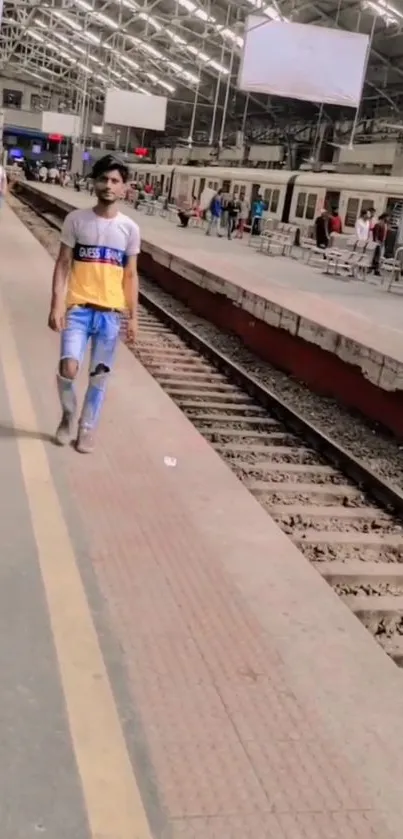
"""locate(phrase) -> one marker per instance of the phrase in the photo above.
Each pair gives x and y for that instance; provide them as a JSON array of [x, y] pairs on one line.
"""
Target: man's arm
[[131, 285], [131, 281], [131, 293], [59, 283], [61, 274]]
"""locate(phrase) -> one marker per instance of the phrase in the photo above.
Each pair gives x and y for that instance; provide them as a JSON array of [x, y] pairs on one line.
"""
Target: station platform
[[343, 338], [171, 667]]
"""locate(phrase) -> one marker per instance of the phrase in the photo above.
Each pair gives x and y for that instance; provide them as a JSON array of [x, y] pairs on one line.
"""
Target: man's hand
[[56, 318], [131, 330]]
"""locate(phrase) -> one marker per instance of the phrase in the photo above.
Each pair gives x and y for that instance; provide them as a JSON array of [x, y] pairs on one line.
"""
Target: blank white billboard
[[135, 110], [301, 61], [68, 125]]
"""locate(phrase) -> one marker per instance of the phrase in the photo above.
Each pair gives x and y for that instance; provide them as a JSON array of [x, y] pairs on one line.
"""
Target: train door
[[289, 192], [394, 239], [255, 192], [332, 199]]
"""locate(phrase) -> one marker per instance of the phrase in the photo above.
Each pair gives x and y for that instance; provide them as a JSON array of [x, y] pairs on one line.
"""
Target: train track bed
[[345, 518]]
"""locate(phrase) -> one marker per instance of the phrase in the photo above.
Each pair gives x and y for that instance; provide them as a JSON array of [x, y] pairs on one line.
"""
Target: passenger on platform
[[258, 209], [233, 210], [322, 229], [379, 234], [77, 182], [216, 207], [3, 185], [94, 282], [53, 173], [335, 222], [243, 216], [362, 228], [187, 212], [43, 174]]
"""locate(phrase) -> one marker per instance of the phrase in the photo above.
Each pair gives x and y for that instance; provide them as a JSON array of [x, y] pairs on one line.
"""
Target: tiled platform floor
[[171, 666]]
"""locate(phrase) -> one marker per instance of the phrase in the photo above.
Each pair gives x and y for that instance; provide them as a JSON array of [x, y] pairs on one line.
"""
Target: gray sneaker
[[64, 431], [85, 443]]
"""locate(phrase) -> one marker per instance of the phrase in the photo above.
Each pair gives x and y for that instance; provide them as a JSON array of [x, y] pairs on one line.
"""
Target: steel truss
[[188, 50]]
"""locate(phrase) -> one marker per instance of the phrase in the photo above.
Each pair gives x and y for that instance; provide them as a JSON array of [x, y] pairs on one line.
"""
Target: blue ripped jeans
[[85, 325]]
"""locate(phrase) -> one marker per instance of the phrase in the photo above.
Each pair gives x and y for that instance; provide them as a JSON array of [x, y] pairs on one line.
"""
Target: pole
[[218, 85], [224, 113], [245, 113], [364, 73], [193, 119]]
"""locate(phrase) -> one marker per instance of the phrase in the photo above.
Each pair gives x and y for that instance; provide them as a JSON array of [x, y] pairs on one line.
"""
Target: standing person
[[379, 234], [3, 185], [233, 210], [362, 228], [243, 216], [97, 265], [216, 206], [322, 229], [258, 209], [335, 222], [53, 173]]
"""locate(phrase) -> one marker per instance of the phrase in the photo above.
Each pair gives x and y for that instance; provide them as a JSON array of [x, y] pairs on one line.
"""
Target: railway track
[[344, 518]]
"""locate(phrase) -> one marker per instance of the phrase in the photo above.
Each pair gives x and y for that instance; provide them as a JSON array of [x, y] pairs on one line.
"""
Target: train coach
[[291, 197]]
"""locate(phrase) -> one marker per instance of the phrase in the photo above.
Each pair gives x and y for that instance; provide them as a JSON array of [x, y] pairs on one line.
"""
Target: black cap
[[106, 164]]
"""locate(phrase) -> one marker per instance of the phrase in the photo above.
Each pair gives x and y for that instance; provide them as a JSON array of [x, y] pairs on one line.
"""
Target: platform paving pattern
[[172, 667]]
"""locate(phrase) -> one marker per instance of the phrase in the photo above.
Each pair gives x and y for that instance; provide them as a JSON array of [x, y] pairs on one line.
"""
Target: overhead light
[[129, 61], [175, 38], [166, 86], [35, 36], [151, 50], [219, 67], [151, 20], [84, 68], [106, 20], [67, 20], [91, 38]]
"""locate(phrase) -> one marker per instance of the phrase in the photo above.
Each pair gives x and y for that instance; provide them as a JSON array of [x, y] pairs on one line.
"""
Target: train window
[[274, 200], [299, 211], [210, 184], [226, 186], [366, 204], [12, 98], [311, 206], [352, 212], [236, 189], [215, 185], [394, 210], [267, 196]]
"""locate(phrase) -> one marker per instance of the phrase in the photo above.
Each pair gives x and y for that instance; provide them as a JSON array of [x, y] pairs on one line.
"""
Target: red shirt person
[[335, 222], [379, 234]]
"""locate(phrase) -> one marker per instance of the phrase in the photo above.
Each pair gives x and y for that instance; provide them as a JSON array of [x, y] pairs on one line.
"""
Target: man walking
[[95, 280]]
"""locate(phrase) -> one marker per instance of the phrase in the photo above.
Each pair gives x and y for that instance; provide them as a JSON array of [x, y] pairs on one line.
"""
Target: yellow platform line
[[111, 794]]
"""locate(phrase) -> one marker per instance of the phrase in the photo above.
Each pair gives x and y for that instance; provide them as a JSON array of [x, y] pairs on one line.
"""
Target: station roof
[[188, 50]]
